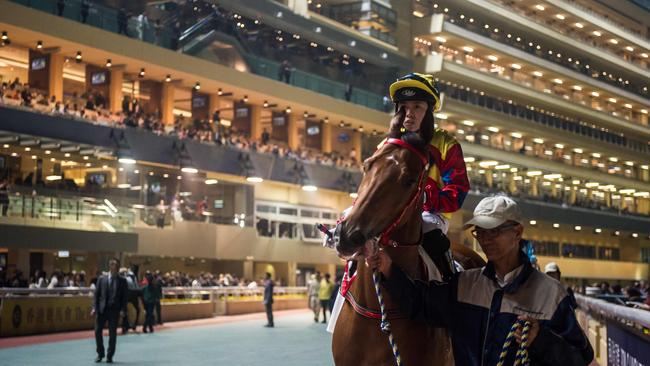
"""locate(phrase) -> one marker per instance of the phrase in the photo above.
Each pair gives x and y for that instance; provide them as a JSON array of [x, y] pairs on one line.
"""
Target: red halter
[[384, 238]]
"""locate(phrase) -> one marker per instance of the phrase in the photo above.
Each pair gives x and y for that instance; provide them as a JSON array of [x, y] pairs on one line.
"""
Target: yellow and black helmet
[[415, 86]]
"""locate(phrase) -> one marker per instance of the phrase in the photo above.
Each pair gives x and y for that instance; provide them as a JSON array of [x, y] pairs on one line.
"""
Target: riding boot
[[438, 247]]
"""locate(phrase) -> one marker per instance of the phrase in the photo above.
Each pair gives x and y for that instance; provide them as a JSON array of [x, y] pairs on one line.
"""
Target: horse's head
[[389, 193]]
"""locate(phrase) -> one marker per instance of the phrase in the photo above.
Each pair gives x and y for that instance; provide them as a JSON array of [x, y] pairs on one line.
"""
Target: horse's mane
[[411, 138]]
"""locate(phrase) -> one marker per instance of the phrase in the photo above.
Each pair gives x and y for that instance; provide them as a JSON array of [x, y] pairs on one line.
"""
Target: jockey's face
[[414, 111]]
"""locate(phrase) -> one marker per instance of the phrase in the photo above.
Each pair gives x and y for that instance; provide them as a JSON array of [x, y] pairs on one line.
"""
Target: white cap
[[551, 267], [494, 211]]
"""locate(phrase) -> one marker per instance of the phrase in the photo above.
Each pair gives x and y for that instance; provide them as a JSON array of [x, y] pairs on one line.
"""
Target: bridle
[[383, 239]]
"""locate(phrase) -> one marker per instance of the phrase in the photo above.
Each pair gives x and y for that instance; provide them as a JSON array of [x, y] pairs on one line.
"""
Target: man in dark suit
[[108, 305], [268, 299]]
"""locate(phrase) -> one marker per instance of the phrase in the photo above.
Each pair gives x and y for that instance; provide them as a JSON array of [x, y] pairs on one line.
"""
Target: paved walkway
[[229, 341]]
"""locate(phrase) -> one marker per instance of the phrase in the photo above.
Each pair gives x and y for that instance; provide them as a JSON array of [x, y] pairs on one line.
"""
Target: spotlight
[[78, 57], [219, 92], [245, 99], [288, 110], [141, 74], [168, 78], [109, 63], [39, 44], [4, 36], [197, 86], [266, 104]]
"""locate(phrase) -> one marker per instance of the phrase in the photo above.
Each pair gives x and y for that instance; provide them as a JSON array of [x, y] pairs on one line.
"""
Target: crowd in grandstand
[[92, 107], [79, 279]]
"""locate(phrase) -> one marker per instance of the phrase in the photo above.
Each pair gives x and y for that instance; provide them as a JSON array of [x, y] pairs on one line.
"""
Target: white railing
[[636, 317]]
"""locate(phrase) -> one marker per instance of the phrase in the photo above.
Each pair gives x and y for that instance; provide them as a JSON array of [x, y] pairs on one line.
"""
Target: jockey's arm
[[430, 302], [455, 184]]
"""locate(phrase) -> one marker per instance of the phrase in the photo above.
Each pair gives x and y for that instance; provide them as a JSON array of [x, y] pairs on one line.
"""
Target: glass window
[[288, 211]]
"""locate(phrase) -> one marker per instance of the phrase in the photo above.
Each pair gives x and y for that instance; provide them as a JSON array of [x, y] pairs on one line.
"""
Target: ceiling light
[[109, 63], [538, 140], [644, 55], [558, 81], [577, 228], [493, 129], [635, 235], [488, 163], [532, 222], [559, 146], [598, 230], [613, 159], [441, 116], [189, 170], [255, 179], [142, 73], [441, 39], [630, 48], [197, 86], [595, 94], [556, 226], [493, 58], [613, 41], [540, 7], [354, 195], [502, 167], [552, 176], [39, 44], [597, 33], [617, 233], [577, 87], [53, 177], [468, 123], [515, 66], [309, 188], [468, 49], [128, 161], [579, 25], [534, 173], [470, 159], [596, 155], [168, 78], [627, 105], [211, 181], [516, 135], [560, 16], [539, 74], [78, 57], [612, 100], [287, 110]]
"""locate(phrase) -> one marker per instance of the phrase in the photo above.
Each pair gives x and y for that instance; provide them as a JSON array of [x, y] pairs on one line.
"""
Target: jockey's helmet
[[415, 86]]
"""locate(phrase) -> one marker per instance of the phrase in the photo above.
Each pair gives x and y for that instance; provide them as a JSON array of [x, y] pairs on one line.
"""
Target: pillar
[[291, 273], [18, 259], [167, 103], [55, 76], [115, 89], [249, 273], [292, 124], [534, 190], [356, 143], [512, 184], [488, 178], [326, 138], [256, 122]]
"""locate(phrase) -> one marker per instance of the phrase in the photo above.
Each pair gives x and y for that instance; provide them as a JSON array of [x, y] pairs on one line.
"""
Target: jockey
[[416, 100]]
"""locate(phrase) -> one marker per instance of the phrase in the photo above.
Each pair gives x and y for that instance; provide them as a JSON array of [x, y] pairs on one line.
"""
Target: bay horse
[[388, 209]]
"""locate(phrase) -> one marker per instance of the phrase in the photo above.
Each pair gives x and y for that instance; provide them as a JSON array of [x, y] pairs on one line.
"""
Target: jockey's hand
[[532, 332], [380, 261]]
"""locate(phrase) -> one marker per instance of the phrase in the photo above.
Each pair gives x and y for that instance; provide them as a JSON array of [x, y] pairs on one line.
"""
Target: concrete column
[[249, 273], [55, 76], [292, 124], [18, 259], [326, 138], [356, 143], [512, 184], [534, 190], [115, 89], [167, 103], [256, 122], [488, 178], [291, 273]]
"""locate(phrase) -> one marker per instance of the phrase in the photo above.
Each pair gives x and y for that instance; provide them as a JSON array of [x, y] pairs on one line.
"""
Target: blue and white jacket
[[479, 314]]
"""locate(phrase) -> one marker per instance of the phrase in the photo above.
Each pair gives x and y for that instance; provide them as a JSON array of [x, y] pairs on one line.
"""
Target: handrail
[[170, 291], [612, 311]]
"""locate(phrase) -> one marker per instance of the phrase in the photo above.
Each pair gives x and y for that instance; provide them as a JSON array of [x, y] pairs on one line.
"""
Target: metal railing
[[627, 315], [169, 293]]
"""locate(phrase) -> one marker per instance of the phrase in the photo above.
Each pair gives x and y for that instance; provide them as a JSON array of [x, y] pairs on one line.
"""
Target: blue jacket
[[479, 314]]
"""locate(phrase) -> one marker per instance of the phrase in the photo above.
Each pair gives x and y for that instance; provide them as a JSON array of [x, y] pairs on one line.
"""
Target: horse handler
[[491, 311]]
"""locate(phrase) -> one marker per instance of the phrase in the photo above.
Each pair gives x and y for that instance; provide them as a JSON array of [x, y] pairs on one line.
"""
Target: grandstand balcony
[[507, 26]]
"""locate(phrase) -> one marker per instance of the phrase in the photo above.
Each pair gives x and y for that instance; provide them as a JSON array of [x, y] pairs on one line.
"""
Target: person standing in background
[[313, 287], [268, 299], [324, 294], [109, 304]]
